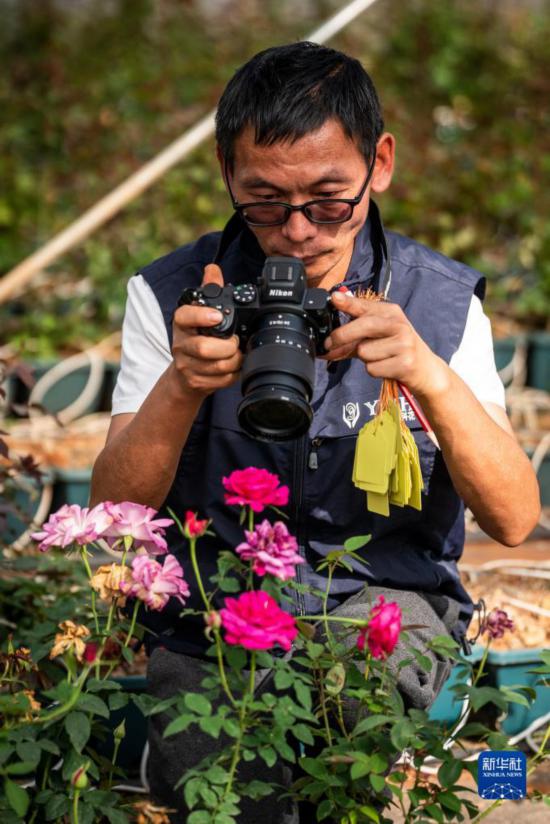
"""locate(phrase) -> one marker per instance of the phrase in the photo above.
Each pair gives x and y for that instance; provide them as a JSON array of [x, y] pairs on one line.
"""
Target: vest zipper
[[313, 462], [298, 488]]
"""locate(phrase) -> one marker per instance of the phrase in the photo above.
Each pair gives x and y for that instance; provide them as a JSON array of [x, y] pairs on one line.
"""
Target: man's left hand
[[380, 335]]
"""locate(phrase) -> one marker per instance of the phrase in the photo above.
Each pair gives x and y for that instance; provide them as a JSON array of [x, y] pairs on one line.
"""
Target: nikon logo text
[[280, 293]]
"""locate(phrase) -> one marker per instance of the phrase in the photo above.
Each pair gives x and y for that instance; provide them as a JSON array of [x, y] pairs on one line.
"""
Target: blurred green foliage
[[93, 89]]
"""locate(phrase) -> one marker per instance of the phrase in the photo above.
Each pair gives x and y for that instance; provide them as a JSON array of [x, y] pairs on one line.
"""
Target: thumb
[[212, 274]]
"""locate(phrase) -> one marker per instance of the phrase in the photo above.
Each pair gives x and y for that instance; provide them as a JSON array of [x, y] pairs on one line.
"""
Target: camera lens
[[277, 379]]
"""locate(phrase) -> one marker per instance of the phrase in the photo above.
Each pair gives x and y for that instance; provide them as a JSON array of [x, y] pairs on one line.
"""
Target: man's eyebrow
[[256, 182]]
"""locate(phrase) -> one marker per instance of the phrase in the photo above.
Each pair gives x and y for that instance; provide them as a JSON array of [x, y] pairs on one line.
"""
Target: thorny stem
[[324, 711], [242, 726], [84, 556], [193, 552], [223, 676], [75, 806], [113, 762], [133, 624], [58, 712]]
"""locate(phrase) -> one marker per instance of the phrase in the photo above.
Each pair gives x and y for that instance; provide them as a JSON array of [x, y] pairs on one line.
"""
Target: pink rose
[[155, 583], [193, 527], [138, 522], [272, 550], [256, 488], [497, 623], [255, 621], [382, 631], [72, 524]]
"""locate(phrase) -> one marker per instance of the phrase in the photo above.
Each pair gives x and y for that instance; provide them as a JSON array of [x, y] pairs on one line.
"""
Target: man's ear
[[385, 159]]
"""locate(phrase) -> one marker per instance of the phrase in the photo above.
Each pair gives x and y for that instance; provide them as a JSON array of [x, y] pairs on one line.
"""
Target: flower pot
[[511, 668], [133, 743], [504, 349], [538, 364], [72, 486], [446, 708]]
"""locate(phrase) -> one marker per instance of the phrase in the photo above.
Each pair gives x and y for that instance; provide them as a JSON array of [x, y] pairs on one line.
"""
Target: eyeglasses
[[275, 213]]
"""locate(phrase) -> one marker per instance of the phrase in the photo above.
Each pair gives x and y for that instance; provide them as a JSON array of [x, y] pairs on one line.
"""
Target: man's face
[[324, 163]]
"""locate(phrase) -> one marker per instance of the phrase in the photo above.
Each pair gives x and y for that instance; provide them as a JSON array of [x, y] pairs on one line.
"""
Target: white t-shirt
[[146, 352]]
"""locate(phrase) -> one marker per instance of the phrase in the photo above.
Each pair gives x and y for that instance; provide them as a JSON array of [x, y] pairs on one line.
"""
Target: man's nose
[[298, 228]]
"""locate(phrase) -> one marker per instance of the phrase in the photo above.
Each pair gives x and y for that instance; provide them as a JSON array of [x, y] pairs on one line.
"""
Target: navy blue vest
[[410, 550]]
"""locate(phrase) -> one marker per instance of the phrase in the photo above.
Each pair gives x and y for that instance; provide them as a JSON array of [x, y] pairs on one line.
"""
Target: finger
[[212, 274], [194, 317], [206, 348], [363, 327], [211, 368], [371, 351], [340, 352], [355, 307]]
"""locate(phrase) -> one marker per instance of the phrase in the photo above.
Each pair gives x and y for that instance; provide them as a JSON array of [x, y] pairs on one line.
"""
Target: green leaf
[[370, 812], [18, 798], [235, 657], [56, 807], [268, 755], [371, 723], [93, 704], [351, 544], [200, 817], [49, 746], [284, 679], [378, 763], [208, 795], [257, 789], [324, 809], [198, 703], [211, 725], [360, 769], [450, 800], [191, 791], [314, 768], [449, 773], [302, 733], [217, 775], [118, 700], [96, 685], [303, 694], [78, 729], [480, 696], [435, 812], [115, 816], [378, 782], [231, 727], [20, 768], [28, 751], [179, 724], [401, 733]]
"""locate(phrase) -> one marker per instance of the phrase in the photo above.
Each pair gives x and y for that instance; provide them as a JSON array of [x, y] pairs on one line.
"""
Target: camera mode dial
[[244, 293]]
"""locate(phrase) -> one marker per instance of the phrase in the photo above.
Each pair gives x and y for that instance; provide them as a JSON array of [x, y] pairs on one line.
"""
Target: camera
[[281, 325]]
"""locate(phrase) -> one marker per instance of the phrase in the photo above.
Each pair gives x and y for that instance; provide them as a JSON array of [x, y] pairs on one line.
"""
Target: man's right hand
[[202, 363]]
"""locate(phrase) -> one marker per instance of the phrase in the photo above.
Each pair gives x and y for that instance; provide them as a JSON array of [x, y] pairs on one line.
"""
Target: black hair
[[285, 92]]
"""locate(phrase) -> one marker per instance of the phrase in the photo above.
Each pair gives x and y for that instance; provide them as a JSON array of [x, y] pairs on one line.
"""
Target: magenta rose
[[497, 623], [272, 550], [256, 488], [381, 633], [155, 583], [254, 620]]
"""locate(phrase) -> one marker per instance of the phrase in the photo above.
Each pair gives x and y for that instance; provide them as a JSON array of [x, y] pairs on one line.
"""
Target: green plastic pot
[[538, 363], [132, 745], [504, 349], [71, 486], [511, 668]]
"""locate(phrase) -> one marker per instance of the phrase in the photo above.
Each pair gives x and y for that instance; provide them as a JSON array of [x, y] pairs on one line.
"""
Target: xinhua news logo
[[502, 774]]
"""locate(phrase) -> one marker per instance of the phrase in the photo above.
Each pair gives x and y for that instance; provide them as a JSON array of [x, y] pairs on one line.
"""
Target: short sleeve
[[145, 348], [474, 360]]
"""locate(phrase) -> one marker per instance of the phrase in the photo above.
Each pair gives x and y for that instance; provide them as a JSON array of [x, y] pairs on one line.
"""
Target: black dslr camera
[[282, 326]]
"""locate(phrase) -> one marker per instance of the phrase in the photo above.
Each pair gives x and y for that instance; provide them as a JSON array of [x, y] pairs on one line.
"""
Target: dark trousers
[[169, 673]]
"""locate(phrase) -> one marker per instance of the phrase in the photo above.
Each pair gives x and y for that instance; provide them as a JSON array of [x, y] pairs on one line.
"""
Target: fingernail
[[328, 344], [215, 315], [337, 296]]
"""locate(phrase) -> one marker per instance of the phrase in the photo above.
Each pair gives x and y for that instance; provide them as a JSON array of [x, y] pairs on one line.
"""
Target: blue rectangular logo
[[502, 774]]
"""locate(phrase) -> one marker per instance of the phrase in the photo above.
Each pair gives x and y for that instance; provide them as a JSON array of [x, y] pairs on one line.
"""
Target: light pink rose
[[155, 583], [382, 631], [72, 524], [254, 620], [137, 521], [272, 550], [256, 488]]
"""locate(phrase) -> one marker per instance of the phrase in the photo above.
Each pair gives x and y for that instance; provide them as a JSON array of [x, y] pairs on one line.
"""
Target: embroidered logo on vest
[[350, 414]]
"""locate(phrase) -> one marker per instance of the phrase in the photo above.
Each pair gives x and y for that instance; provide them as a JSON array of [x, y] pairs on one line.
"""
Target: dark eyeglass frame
[[352, 202]]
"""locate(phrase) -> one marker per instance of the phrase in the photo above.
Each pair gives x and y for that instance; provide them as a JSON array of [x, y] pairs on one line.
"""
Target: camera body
[[281, 291], [282, 326]]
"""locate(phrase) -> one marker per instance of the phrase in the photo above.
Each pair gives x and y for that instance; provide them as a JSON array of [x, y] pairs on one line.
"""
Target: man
[[302, 149]]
